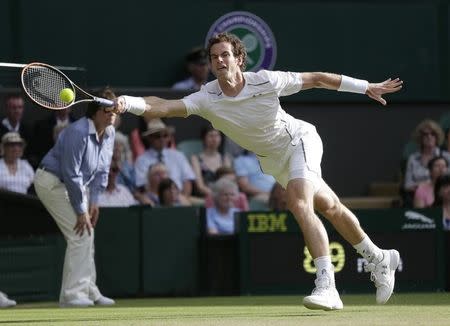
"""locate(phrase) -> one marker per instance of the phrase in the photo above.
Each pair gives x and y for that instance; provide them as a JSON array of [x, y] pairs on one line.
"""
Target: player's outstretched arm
[[344, 83], [151, 107]]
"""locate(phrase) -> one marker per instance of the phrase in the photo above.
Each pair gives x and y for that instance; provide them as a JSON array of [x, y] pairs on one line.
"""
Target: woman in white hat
[[15, 174]]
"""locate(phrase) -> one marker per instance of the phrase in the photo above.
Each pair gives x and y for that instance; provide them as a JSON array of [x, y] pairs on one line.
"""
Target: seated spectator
[[5, 302], [277, 198], [115, 194], [48, 130], [424, 195], [442, 198], [178, 166], [231, 148], [15, 174], [206, 163], [240, 200], [169, 195], [126, 175], [198, 69], [429, 136], [156, 173], [137, 144], [125, 148], [220, 217], [251, 179], [14, 122]]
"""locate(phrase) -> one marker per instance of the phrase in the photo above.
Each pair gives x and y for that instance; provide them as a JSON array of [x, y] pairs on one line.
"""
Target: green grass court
[[402, 309]]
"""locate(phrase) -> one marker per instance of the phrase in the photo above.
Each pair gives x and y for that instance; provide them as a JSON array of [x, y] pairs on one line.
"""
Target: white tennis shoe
[[324, 296], [383, 274]]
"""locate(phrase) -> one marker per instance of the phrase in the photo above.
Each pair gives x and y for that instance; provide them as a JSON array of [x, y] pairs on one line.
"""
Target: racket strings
[[44, 86]]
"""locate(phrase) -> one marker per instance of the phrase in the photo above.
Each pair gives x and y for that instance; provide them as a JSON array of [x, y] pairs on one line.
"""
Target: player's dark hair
[[238, 46], [93, 107]]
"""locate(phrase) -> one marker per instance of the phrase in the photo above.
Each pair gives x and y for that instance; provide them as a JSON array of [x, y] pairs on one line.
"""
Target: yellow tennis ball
[[66, 95]]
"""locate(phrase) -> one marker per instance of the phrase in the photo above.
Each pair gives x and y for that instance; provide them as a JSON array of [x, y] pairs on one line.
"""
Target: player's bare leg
[[300, 199], [381, 263]]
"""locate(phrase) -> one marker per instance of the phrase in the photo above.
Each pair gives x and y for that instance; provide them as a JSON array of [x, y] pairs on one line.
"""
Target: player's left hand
[[377, 90], [94, 213]]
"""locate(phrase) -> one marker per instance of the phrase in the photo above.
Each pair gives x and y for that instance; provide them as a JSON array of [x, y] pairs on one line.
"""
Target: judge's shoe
[[104, 301], [324, 296], [5, 302], [382, 273], [77, 303]]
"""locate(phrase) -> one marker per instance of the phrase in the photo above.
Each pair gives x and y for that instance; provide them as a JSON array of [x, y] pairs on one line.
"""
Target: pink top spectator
[[425, 193]]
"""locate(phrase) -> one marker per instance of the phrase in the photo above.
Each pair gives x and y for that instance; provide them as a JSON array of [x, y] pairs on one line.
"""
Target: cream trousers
[[79, 274]]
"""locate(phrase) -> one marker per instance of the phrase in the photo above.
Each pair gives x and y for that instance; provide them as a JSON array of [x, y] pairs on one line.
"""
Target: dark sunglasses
[[428, 133], [160, 135]]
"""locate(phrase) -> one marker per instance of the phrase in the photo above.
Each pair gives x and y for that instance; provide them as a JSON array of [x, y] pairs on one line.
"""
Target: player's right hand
[[119, 108], [83, 223]]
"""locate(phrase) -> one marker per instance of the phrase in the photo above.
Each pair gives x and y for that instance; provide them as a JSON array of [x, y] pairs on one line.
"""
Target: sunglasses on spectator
[[428, 133], [160, 135]]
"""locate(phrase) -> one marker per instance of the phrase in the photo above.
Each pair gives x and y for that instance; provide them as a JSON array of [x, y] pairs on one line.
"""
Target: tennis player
[[68, 182], [245, 106]]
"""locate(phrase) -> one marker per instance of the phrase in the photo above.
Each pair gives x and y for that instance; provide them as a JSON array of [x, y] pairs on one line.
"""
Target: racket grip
[[104, 101]]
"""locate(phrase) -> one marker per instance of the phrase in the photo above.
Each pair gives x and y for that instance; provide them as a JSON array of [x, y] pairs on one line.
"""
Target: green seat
[[409, 148], [444, 121], [190, 147], [257, 205]]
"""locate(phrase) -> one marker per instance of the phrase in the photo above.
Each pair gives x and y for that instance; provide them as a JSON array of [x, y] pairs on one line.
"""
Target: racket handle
[[103, 101]]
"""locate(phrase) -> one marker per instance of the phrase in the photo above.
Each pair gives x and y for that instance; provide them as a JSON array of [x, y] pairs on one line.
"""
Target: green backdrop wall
[[140, 43]]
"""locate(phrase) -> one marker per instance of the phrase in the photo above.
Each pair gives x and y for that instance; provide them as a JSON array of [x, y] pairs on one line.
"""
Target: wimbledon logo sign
[[254, 32]]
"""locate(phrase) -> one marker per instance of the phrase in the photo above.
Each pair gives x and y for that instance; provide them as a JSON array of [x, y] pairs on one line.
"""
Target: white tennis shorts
[[302, 161]]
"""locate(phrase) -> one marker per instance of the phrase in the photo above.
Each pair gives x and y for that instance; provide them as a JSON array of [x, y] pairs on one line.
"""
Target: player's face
[[223, 62]]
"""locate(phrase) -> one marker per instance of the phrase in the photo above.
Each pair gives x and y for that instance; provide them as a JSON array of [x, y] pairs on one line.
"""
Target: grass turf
[[402, 309]]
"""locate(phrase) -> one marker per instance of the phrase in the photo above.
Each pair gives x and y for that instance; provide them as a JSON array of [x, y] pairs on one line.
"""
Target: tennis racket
[[43, 84]]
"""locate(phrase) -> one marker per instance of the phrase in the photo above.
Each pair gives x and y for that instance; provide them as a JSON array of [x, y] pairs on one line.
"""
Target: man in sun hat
[[180, 171]]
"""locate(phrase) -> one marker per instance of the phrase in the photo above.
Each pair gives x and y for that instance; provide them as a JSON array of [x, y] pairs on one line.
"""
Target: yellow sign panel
[[267, 222], [337, 254]]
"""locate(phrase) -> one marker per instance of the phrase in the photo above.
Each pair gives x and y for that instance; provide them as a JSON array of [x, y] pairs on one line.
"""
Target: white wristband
[[353, 85], [134, 105]]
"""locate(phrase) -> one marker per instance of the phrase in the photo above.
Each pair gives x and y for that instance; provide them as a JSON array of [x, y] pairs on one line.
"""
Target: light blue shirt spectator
[[223, 224], [177, 165], [127, 176], [81, 161], [248, 166]]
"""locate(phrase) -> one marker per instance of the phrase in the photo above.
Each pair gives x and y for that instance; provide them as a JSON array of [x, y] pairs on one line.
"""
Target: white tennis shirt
[[254, 118]]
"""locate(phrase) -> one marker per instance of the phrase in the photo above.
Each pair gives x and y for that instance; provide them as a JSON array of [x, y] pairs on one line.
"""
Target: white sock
[[369, 250], [323, 265]]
